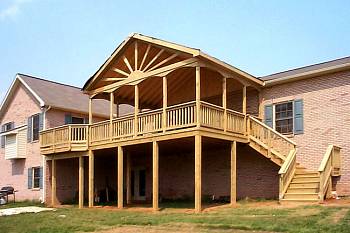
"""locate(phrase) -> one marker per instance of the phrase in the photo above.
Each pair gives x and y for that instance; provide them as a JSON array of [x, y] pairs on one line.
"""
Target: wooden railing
[[275, 142], [181, 115], [235, 122], [177, 117], [329, 164], [63, 138], [212, 115], [287, 172]]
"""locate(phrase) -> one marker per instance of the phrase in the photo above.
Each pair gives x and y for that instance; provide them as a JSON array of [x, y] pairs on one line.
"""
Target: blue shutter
[[29, 129], [30, 178], [298, 116], [68, 119], [41, 177], [269, 115], [41, 121], [2, 139]]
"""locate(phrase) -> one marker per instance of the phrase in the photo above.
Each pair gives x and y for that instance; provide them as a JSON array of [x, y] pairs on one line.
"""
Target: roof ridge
[[302, 67], [47, 80]]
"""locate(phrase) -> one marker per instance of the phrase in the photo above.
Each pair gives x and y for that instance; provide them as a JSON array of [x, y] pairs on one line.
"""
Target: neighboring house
[[31, 105]]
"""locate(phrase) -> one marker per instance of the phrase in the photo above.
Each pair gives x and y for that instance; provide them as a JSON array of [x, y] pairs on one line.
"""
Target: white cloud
[[12, 10]]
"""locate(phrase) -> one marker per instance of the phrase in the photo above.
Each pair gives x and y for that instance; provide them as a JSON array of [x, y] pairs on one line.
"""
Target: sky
[[68, 40]]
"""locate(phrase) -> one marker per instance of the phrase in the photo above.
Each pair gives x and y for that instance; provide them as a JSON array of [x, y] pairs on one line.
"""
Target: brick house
[[201, 129], [31, 105]]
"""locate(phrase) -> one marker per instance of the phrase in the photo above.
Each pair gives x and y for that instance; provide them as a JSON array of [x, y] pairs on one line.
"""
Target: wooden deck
[[176, 119]]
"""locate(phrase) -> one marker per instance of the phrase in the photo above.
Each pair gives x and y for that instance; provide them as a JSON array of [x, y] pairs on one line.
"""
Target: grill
[[6, 191]]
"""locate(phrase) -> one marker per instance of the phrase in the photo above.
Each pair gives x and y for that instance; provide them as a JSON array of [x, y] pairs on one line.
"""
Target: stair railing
[[330, 164], [287, 172]]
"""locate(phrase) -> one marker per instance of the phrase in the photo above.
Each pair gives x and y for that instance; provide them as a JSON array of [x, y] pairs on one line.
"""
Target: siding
[[11, 146]]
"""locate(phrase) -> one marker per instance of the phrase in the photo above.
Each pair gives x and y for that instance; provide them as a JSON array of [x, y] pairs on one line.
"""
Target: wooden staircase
[[304, 186], [296, 182]]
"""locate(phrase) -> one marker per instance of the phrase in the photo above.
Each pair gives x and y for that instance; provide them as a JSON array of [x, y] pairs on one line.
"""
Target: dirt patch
[[339, 215], [176, 228]]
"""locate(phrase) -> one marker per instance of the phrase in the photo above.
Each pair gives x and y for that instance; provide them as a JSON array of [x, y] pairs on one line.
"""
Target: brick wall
[[15, 172], [326, 119]]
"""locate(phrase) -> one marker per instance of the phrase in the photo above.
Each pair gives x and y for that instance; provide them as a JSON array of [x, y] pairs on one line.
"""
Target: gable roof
[[193, 52], [56, 95], [307, 71]]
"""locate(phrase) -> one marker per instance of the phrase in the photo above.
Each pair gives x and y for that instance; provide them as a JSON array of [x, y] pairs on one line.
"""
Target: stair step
[[303, 190], [305, 179], [306, 175], [299, 200], [304, 185], [301, 196]]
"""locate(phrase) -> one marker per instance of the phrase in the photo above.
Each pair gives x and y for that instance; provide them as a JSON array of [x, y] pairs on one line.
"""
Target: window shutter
[[269, 115], [298, 116], [29, 129], [68, 119], [41, 177], [30, 178], [41, 121], [2, 139]]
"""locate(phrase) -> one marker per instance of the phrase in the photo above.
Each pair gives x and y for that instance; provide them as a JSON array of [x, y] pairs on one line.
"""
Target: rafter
[[113, 79], [120, 72], [155, 57], [174, 66], [126, 61], [136, 55], [145, 56], [163, 62]]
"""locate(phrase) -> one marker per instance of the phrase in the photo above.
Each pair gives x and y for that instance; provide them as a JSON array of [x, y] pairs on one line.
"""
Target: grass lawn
[[259, 216]]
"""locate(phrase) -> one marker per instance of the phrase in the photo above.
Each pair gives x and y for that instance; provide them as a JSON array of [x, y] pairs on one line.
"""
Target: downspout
[[43, 192]]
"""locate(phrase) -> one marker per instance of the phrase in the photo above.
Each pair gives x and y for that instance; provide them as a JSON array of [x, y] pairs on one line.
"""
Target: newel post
[[244, 107], [111, 111], [136, 105], [165, 103], [224, 101]]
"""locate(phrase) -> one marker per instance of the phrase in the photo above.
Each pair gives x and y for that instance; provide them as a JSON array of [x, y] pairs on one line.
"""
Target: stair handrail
[[330, 161], [287, 172], [271, 129]]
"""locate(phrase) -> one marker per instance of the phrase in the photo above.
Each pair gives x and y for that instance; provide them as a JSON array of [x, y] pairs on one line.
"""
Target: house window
[[36, 127], [284, 118], [36, 177], [77, 120], [8, 126]]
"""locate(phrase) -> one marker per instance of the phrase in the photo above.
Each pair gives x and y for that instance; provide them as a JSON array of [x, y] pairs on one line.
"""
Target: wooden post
[[224, 101], [90, 110], [117, 109], [128, 179], [81, 182], [53, 180], [244, 107], [165, 102], [155, 175], [91, 177], [111, 111], [233, 173], [198, 95], [136, 110], [261, 108], [120, 177], [198, 173]]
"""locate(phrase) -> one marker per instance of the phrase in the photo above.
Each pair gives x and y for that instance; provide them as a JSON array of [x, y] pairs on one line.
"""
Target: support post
[[198, 173], [90, 110], [117, 109], [244, 107], [120, 177], [155, 176], [224, 101], [136, 105], [111, 111], [53, 180], [91, 178], [233, 173], [261, 108], [198, 95], [165, 103], [128, 179], [81, 182]]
